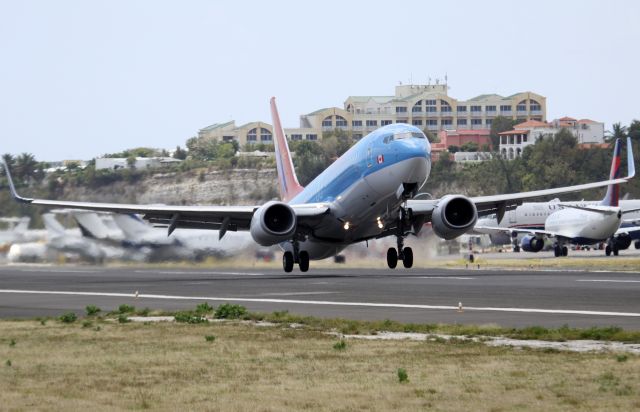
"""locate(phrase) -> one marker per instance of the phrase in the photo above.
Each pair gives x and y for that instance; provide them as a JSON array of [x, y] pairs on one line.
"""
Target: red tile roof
[[531, 123], [515, 132]]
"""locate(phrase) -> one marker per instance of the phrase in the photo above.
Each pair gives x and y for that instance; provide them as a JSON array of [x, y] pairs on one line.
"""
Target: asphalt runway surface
[[507, 298]]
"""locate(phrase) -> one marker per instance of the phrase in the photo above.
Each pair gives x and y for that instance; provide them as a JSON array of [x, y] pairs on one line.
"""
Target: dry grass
[[172, 366]]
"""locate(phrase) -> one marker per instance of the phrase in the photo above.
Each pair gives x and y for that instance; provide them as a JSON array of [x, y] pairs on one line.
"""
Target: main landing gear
[[288, 259], [405, 254], [560, 250], [612, 247]]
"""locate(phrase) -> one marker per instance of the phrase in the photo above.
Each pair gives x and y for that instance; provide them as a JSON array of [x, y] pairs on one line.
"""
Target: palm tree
[[618, 131], [25, 166], [9, 160]]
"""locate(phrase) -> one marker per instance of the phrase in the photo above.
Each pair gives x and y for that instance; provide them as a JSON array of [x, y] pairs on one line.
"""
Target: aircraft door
[[369, 156]]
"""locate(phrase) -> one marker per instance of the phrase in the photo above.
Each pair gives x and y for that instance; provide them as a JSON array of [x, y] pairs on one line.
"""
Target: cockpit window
[[402, 135], [419, 135], [388, 138]]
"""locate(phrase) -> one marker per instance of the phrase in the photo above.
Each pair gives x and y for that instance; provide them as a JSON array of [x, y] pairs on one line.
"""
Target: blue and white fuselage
[[365, 188]]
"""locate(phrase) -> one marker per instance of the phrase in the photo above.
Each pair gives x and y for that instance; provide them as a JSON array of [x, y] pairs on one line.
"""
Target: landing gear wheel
[[615, 250], [565, 251], [303, 260], [607, 250], [637, 244], [516, 248], [392, 258], [287, 261], [557, 252], [407, 259]]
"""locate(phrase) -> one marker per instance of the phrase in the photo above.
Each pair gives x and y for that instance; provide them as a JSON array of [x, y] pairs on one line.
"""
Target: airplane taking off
[[581, 224], [368, 193]]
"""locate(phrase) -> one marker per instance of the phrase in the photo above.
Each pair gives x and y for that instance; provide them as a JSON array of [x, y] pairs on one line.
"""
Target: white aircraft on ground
[[581, 223], [368, 193]]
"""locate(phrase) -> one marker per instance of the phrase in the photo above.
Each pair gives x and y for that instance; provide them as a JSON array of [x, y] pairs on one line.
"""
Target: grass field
[[106, 365]]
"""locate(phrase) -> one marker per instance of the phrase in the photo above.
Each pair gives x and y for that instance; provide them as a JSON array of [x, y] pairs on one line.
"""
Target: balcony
[[506, 113], [477, 114], [521, 113], [432, 127], [536, 112], [492, 113], [417, 112]]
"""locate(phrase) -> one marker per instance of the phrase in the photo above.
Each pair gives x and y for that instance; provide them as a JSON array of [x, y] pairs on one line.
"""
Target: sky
[[82, 78]]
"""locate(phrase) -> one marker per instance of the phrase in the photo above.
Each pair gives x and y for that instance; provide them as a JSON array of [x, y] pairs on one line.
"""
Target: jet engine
[[453, 216], [531, 243], [272, 223]]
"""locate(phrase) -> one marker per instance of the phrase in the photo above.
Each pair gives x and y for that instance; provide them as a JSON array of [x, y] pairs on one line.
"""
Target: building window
[[505, 108], [490, 108], [341, 121], [228, 138], [371, 123], [416, 122], [296, 137], [432, 122], [385, 122], [461, 109], [401, 109], [357, 136], [447, 122], [265, 135], [488, 122], [356, 123], [432, 109], [430, 102], [524, 138], [327, 122], [312, 137], [416, 109], [476, 108], [445, 107], [462, 122], [522, 106], [252, 135], [476, 121]]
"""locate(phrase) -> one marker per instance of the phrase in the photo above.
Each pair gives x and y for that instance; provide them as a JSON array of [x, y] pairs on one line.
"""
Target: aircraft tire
[[556, 251], [615, 250], [303, 260], [607, 250], [565, 251], [392, 258], [637, 244], [287, 261], [407, 260]]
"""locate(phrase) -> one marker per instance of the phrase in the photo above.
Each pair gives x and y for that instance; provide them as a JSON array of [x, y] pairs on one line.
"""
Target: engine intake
[[454, 216], [272, 223], [531, 243]]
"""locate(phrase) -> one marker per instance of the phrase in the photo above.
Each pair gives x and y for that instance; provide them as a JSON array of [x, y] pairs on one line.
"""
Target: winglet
[[12, 188], [287, 179], [631, 166]]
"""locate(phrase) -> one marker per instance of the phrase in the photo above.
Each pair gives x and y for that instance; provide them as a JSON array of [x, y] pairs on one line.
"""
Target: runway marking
[[323, 302], [608, 280], [438, 277], [185, 272], [298, 293]]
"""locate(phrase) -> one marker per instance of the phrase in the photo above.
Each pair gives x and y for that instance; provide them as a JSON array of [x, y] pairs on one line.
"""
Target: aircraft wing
[[492, 230], [627, 230], [223, 218]]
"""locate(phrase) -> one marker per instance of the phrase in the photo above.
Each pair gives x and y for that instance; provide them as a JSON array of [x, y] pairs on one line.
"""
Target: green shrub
[[622, 358], [209, 338], [204, 308], [8, 363], [229, 311], [87, 324], [92, 310], [68, 317], [144, 312], [12, 343], [189, 317], [123, 318], [43, 322], [124, 308], [340, 345], [402, 375]]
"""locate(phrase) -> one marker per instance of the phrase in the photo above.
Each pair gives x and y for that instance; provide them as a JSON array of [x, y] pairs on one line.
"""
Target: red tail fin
[[287, 179], [613, 191]]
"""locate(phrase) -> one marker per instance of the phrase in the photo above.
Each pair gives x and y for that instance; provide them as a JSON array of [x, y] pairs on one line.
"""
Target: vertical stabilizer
[[613, 191], [287, 179]]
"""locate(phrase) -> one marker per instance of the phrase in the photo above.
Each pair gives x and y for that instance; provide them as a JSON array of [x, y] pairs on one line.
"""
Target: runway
[[506, 298]]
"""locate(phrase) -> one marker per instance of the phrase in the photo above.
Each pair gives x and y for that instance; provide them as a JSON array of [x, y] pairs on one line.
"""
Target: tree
[[131, 162], [633, 131], [617, 132], [500, 124], [180, 153], [25, 165], [453, 149], [469, 147], [9, 160]]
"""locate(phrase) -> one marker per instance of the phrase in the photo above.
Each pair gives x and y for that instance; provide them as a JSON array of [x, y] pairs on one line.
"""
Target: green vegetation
[[92, 310], [189, 317], [209, 338], [124, 308], [230, 311], [68, 317], [340, 345], [402, 375]]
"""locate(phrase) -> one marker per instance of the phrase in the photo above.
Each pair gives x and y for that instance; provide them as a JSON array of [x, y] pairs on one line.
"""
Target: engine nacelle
[[531, 243], [454, 216], [272, 223], [623, 241]]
